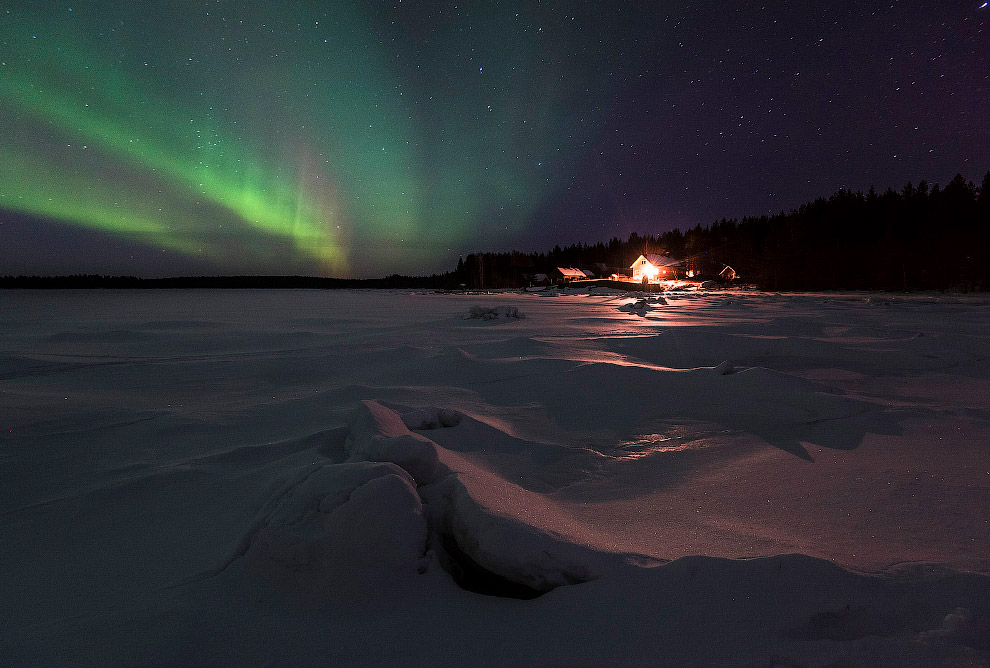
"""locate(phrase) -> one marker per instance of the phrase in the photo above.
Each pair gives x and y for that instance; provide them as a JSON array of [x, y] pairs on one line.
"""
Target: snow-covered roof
[[657, 260], [570, 272]]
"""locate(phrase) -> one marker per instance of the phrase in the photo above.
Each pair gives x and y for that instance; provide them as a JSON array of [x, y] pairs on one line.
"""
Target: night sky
[[351, 138]]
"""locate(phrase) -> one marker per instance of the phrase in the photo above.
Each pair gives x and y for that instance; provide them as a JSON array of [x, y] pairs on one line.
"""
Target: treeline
[[91, 281], [921, 238]]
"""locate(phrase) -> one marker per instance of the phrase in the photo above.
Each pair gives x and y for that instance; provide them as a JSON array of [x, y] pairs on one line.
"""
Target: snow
[[494, 312], [725, 477], [378, 434]]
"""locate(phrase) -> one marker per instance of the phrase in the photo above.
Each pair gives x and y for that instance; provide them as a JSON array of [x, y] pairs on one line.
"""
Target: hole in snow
[[473, 577]]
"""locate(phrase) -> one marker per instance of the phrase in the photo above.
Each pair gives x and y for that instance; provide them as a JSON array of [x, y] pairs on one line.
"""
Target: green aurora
[[359, 139]]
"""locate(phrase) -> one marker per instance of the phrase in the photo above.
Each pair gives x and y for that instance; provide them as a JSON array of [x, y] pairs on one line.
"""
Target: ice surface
[[712, 478]]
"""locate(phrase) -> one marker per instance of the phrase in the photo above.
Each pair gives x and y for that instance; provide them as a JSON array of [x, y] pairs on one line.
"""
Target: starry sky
[[359, 138]]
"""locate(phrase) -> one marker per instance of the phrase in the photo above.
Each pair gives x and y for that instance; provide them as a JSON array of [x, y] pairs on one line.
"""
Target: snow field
[[367, 478]]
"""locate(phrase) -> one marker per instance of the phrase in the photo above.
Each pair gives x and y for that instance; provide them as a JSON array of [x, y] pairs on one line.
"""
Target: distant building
[[536, 279], [728, 274], [655, 267], [568, 274]]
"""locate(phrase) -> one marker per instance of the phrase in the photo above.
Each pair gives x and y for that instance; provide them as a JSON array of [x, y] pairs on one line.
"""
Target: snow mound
[[642, 302], [340, 523], [494, 313], [639, 307], [963, 627], [379, 434], [724, 369], [425, 419]]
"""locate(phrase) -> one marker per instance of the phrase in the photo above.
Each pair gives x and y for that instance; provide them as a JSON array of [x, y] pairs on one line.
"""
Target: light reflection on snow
[[648, 444], [676, 438]]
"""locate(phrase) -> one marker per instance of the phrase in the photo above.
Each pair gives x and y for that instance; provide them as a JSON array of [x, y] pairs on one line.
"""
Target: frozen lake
[[320, 477]]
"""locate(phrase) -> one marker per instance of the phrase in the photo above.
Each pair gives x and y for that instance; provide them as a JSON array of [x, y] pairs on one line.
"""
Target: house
[[654, 267], [728, 274], [568, 274], [536, 279]]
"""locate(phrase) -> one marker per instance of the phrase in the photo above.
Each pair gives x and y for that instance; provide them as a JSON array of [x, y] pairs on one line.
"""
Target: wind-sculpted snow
[[379, 434], [499, 526], [717, 478]]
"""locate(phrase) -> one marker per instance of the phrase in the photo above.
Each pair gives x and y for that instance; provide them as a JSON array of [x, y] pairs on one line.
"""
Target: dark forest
[[921, 238]]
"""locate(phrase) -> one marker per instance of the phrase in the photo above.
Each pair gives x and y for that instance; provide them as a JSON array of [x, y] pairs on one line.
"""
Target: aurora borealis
[[361, 138]]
